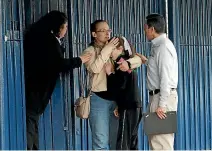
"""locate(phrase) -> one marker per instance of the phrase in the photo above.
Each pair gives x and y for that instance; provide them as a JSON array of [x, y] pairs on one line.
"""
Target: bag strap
[[87, 82], [89, 78]]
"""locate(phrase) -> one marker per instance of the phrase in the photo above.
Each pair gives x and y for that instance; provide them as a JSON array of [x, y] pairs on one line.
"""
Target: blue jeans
[[103, 123]]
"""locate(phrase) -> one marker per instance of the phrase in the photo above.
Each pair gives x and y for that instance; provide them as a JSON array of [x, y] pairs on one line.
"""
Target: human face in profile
[[63, 30]]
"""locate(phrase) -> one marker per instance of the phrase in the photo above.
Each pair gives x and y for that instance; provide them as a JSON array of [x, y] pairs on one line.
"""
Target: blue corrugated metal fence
[[125, 18], [189, 23], [192, 33], [12, 94]]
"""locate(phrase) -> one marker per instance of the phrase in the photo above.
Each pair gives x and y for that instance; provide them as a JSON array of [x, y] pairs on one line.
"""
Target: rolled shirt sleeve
[[135, 62]]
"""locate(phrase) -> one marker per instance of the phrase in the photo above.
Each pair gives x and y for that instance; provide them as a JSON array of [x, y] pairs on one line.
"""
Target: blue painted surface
[[189, 28], [12, 93], [125, 18]]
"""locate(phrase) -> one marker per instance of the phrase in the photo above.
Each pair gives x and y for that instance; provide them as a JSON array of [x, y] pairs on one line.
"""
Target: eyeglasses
[[104, 31]]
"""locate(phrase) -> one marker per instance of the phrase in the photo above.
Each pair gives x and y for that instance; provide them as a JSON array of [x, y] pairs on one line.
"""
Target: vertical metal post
[[166, 17]]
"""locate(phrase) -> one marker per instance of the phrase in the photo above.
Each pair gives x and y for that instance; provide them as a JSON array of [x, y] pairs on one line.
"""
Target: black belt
[[156, 91]]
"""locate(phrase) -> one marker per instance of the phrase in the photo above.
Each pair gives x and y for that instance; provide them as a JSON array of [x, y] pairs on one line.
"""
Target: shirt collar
[[58, 40], [157, 39], [98, 46]]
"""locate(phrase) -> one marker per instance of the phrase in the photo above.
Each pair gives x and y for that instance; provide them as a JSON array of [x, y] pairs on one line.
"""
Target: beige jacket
[[96, 65]]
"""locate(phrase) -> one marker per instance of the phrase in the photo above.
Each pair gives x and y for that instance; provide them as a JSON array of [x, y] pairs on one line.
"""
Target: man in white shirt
[[162, 77]]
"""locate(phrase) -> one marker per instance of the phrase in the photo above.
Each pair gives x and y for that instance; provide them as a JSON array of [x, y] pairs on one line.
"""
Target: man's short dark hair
[[157, 21]]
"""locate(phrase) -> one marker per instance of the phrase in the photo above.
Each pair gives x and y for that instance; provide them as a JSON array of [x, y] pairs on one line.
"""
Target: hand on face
[[114, 42], [116, 53]]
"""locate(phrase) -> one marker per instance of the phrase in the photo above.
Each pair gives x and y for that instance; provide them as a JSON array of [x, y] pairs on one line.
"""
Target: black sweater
[[43, 61], [122, 87]]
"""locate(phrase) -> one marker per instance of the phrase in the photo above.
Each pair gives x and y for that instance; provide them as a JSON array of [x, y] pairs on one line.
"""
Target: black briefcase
[[153, 125]]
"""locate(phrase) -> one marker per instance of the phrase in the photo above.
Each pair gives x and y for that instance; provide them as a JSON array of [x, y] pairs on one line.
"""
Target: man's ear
[[93, 34], [152, 29], [146, 26]]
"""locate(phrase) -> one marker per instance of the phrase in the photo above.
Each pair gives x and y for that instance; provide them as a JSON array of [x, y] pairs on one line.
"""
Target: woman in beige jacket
[[102, 106]]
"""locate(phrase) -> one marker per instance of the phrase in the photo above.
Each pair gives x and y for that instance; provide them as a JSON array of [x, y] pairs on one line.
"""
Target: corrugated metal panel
[[125, 17], [59, 129], [12, 92], [192, 32], [189, 27]]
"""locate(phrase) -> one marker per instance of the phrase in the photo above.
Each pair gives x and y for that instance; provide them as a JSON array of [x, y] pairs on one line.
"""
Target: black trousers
[[32, 131], [129, 120]]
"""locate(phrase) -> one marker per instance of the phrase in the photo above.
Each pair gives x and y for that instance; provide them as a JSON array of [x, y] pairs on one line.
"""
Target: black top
[[122, 87], [43, 61]]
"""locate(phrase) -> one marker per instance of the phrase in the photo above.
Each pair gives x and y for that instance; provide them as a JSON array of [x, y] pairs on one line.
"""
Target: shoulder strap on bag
[[85, 80]]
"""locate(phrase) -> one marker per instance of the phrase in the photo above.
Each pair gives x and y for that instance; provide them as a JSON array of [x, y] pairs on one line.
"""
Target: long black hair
[[49, 23]]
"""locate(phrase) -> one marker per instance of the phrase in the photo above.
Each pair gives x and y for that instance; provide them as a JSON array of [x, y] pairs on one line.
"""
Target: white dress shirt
[[162, 68]]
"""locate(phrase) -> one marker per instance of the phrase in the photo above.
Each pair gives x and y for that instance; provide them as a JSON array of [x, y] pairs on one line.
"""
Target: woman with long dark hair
[[43, 61]]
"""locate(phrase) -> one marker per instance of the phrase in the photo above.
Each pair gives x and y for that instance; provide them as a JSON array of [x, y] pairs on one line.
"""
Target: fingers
[[119, 65], [116, 113], [107, 64], [143, 58], [161, 114], [123, 66], [114, 41], [138, 54], [85, 57], [123, 69]]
